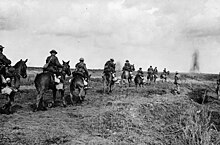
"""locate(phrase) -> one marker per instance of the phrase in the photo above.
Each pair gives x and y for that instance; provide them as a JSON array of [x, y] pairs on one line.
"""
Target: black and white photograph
[[109, 72]]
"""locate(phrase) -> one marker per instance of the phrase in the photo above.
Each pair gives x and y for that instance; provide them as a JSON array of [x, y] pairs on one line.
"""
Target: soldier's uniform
[[127, 66], [81, 67], [5, 89], [140, 73], [150, 71], [54, 63], [109, 66], [4, 62]]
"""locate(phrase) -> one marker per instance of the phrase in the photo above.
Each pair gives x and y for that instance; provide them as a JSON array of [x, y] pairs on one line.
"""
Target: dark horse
[[16, 71], [77, 87], [108, 79], [138, 81], [45, 81], [126, 75]]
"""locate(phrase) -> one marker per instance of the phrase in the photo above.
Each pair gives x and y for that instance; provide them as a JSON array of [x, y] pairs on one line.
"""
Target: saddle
[[75, 73]]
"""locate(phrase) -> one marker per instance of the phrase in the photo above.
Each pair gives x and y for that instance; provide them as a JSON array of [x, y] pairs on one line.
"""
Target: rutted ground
[[149, 115]]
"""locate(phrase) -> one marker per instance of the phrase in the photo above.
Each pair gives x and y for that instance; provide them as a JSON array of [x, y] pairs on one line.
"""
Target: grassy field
[[152, 115]]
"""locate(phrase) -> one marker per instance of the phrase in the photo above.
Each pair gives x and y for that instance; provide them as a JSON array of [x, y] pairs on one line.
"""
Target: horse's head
[[21, 68], [66, 68]]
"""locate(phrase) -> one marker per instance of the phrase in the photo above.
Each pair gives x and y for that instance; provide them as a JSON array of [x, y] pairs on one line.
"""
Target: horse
[[164, 75], [17, 71], [45, 81], [77, 87], [138, 81], [108, 81], [126, 75]]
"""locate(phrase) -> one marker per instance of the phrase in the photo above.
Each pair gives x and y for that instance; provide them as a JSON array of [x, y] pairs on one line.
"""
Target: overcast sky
[[162, 33]]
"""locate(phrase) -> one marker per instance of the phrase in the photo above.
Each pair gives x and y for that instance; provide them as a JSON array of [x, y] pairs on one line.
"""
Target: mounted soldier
[[140, 73], [150, 72], [164, 75], [177, 82], [110, 66], [127, 66], [109, 75], [82, 69], [53, 65], [155, 72], [4, 63], [4, 85]]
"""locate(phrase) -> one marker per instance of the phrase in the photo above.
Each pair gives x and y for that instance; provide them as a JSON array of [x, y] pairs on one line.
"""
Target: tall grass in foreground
[[197, 129]]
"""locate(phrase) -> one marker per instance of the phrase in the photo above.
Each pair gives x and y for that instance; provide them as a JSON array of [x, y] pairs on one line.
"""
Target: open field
[[152, 115]]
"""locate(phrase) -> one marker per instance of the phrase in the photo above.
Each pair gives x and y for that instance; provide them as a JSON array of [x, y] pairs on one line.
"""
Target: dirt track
[[151, 115]]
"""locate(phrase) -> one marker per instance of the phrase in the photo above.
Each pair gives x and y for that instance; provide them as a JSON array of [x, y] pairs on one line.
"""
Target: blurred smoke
[[195, 62], [118, 66]]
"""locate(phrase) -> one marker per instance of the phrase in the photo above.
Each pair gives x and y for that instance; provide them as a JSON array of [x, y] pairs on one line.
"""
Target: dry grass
[[151, 115]]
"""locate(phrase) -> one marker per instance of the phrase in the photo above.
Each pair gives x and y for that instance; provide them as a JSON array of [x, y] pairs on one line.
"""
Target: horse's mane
[[17, 64]]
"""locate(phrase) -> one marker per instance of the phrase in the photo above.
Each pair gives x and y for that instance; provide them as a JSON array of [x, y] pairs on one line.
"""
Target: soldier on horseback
[[5, 87], [109, 66], [81, 68], [164, 75], [140, 73], [127, 66], [150, 72], [52, 65], [177, 82], [4, 62]]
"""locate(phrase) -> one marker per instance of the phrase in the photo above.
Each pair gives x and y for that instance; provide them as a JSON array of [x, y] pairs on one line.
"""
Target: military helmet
[[127, 61], [53, 51], [112, 59], [81, 59]]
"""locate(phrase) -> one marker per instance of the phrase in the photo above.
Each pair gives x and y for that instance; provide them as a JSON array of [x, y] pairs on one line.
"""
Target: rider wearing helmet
[[140, 72], [4, 62], [127, 66], [81, 68], [109, 66], [53, 65]]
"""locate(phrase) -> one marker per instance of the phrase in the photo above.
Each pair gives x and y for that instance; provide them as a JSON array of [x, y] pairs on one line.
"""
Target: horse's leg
[[104, 83], [54, 96], [81, 90], [63, 97], [71, 97], [39, 99]]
